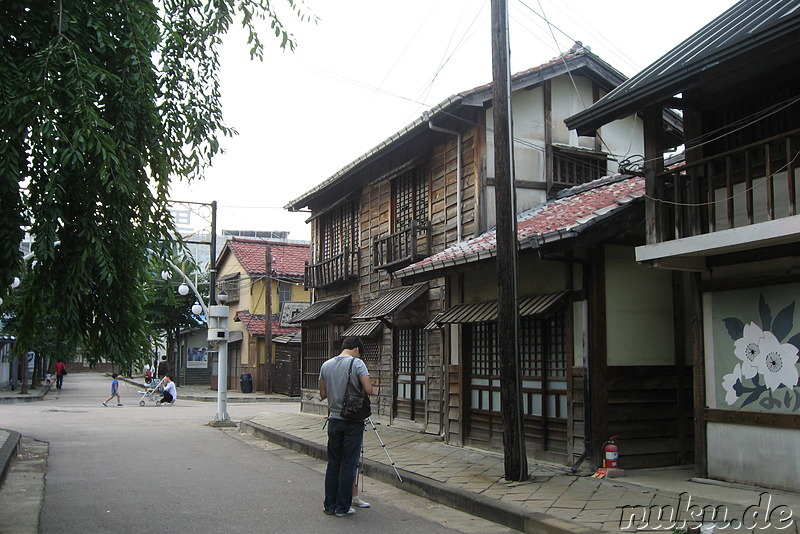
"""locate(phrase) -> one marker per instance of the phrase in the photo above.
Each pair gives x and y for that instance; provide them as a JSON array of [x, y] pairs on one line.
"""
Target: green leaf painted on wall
[[735, 327], [783, 322]]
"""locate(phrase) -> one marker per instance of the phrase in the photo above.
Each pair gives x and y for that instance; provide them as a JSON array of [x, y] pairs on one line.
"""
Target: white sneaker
[[360, 503], [345, 514]]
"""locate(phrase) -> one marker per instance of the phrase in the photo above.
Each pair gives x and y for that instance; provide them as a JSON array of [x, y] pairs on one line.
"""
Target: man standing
[[344, 435]]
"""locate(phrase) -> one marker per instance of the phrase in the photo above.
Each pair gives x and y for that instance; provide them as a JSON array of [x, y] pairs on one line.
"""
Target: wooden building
[[428, 192], [728, 218]]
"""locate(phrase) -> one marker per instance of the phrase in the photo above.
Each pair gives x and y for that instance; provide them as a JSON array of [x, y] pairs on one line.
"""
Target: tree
[[103, 103], [166, 310]]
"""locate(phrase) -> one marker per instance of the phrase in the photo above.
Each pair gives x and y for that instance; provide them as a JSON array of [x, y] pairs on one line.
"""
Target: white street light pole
[[217, 317]]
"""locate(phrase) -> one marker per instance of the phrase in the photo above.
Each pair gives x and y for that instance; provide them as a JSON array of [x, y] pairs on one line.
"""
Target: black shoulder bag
[[355, 404]]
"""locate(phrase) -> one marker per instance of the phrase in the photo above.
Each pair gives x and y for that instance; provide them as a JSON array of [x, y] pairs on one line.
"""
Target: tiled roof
[[288, 259], [573, 211], [255, 324]]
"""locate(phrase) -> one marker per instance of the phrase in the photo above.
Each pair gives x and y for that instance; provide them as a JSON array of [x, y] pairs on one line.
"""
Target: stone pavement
[[554, 500]]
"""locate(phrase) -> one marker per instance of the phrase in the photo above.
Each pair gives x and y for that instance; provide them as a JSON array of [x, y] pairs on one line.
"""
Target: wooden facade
[[427, 192], [728, 215]]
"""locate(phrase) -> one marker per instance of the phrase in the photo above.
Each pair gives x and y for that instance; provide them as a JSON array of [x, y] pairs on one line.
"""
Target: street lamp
[[217, 318], [218, 333]]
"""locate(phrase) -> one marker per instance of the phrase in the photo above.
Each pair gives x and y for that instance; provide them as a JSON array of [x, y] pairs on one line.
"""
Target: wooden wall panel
[[644, 409]]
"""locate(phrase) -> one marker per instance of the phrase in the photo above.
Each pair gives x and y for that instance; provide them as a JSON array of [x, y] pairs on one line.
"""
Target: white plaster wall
[[638, 311], [567, 102], [768, 457], [536, 277]]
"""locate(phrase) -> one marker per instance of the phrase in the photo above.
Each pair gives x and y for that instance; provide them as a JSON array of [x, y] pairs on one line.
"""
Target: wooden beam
[[653, 166], [699, 375], [772, 420]]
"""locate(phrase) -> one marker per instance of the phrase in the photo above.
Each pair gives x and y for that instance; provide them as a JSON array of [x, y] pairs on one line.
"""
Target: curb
[[8, 451], [33, 395], [433, 490], [238, 400]]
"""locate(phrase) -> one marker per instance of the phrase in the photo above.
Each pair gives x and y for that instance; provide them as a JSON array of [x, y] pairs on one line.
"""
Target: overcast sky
[[370, 67]]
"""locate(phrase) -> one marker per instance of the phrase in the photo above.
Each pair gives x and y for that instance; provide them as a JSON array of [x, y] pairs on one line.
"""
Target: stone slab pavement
[[554, 499]]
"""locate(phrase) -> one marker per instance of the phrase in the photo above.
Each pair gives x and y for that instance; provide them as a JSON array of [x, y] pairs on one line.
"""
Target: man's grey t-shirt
[[334, 373]]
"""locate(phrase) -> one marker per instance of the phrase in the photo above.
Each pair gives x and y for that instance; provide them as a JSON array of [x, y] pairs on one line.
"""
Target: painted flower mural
[[767, 368]]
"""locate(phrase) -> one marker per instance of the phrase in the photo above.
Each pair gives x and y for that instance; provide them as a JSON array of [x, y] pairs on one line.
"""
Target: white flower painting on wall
[[766, 370]]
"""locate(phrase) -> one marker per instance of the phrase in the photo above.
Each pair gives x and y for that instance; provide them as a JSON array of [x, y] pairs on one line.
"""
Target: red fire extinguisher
[[611, 453]]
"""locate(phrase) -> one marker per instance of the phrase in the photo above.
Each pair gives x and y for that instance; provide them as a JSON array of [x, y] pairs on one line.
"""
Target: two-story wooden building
[[242, 272], [391, 232], [729, 216]]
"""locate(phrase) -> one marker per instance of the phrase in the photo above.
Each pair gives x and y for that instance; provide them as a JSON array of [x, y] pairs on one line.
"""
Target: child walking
[[114, 390]]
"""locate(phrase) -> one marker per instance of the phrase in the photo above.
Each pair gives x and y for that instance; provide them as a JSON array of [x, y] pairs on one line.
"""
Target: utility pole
[[270, 371], [212, 264], [516, 461]]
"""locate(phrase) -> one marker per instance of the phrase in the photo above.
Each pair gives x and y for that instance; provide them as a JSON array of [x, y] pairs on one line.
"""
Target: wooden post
[[270, 370], [516, 461], [654, 165]]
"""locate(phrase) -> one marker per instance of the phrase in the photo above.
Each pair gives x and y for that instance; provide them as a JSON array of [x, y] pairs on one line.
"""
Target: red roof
[[288, 259], [574, 210], [255, 324]]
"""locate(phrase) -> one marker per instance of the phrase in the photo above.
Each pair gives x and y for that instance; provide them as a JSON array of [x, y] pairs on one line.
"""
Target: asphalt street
[[135, 469]]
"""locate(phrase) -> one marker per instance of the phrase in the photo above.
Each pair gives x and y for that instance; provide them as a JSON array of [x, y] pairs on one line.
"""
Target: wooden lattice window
[[315, 352], [410, 362], [483, 350], [339, 230], [543, 355], [372, 350], [230, 284], [410, 198], [574, 167]]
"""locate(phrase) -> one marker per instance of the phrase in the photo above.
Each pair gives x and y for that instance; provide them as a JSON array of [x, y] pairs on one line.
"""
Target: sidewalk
[[554, 500], [9, 397]]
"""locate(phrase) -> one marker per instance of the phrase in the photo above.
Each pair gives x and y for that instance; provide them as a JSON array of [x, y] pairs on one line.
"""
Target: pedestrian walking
[[344, 435], [61, 372], [114, 390], [170, 394]]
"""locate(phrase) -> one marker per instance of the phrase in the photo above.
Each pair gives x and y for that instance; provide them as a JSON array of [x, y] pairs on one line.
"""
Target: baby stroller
[[153, 392]]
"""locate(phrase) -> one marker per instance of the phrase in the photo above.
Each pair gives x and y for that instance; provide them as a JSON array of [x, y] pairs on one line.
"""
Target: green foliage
[[103, 103]]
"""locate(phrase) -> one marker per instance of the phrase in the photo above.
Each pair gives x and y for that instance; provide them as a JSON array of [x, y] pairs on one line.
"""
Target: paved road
[[135, 469]]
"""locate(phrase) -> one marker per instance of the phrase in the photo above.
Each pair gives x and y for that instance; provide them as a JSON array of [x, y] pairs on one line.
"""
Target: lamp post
[[217, 317]]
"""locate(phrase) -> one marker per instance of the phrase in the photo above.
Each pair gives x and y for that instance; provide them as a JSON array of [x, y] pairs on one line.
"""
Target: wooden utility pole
[[268, 326], [516, 461]]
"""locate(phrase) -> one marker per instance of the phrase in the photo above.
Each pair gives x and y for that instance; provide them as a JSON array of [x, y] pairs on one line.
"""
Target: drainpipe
[[458, 176]]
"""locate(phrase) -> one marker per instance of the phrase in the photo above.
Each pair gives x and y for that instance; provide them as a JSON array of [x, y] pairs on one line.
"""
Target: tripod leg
[[391, 462]]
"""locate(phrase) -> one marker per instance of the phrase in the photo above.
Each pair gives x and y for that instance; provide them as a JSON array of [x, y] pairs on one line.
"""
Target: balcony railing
[[748, 185], [401, 248], [339, 268]]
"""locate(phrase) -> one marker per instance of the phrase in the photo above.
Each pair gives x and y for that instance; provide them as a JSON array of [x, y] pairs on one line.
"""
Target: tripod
[[391, 462]]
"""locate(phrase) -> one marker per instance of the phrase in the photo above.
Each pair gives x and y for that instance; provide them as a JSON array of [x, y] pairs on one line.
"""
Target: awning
[[363, 329], [318, 309], [486, 312], [392, 301], [235, 335], [288, 338]]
